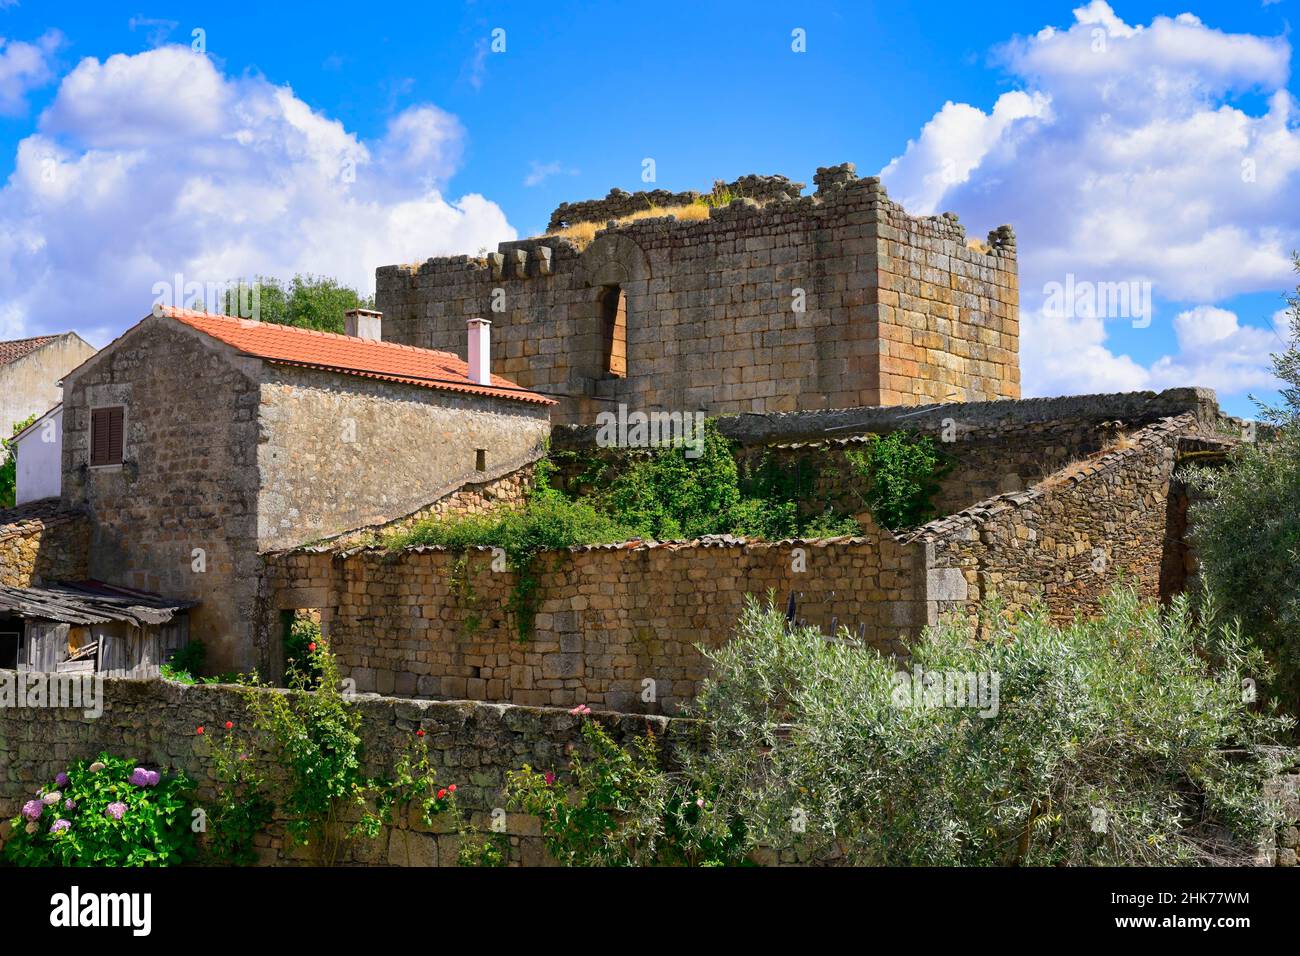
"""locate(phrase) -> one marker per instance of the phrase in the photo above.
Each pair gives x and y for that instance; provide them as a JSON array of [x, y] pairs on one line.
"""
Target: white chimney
[[480, 351], [363, 324]]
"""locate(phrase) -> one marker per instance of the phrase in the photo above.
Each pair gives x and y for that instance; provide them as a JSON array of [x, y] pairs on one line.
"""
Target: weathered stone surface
[[774, 303], [470, 745]]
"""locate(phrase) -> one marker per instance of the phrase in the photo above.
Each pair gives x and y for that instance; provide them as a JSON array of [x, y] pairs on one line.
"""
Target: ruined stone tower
[[771, 302]]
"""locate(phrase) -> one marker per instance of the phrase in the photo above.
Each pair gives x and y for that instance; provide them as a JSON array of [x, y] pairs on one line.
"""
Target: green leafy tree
[[1246, 526], [9, 464], [308, 302]]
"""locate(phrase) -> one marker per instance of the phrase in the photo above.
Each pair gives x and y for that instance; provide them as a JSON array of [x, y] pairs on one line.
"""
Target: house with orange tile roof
[[196, 442]]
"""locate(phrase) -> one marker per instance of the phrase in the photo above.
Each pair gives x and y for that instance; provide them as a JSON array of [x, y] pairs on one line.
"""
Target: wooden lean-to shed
[[90, 627]]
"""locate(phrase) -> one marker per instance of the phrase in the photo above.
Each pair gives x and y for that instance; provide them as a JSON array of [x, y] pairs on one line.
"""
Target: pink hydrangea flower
[[61, 826], [140, 777], [32, 809], [115, 810]]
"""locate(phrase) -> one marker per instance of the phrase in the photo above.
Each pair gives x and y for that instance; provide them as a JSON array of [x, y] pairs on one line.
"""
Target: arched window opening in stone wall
[[613, 315]]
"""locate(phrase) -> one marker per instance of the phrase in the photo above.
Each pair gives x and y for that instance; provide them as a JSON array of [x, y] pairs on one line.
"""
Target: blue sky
[[1114, 144]]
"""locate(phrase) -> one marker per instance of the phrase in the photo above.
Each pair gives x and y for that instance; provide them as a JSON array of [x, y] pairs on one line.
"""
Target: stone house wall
[[42, 543], [432, 623], [471, 745], [257, 458], [30, 385], [338, 452], [188, 480], [827, 301]]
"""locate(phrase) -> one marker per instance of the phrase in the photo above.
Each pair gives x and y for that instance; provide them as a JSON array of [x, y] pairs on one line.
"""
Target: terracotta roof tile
[[13, 350], [385, 361]]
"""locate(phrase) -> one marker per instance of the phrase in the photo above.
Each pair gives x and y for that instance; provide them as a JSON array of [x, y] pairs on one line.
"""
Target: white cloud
[[538, 173], [1068, 355], [155, 164], [1124, 154], [1217, 351], [23, 68]]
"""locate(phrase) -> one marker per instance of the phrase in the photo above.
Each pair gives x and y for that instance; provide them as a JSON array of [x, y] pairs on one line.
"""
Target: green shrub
[[1109, 742], [901, 473], [548, 521], [617, 807], [242, 808], [191, 657], [667, 496], [301, 639], [1246, 535], [108, 812], [322, 791]]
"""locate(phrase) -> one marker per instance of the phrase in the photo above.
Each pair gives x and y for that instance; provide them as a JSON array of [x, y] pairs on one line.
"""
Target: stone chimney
[[480, 351], [363, 324]]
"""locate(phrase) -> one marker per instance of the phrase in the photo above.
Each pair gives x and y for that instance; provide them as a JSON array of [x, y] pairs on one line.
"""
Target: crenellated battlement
[[771, 301]]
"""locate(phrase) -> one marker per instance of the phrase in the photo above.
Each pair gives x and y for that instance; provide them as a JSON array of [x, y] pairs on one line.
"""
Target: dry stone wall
[[1069, 539], [834, 300], [43, 543], [616, 627], [472, 745]]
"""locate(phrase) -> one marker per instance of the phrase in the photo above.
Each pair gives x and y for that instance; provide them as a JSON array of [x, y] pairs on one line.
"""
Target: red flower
[[198, 730], [419, 733], [230, 725], [441, 794], [550, 778], [311, 646], [452, 788]]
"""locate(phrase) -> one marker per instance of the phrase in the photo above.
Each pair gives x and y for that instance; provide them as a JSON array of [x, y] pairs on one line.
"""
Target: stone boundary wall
[[974, 418], [1069, 539], [1283, 850], [472, 745], [612, 621], [620, 203], [43, 542], [994, 447]]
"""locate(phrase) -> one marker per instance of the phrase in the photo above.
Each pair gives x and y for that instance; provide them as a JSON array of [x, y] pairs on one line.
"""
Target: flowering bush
[[106, 813]]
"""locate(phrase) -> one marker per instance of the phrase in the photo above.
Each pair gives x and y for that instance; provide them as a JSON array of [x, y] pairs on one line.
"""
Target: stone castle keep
[[775, 302]]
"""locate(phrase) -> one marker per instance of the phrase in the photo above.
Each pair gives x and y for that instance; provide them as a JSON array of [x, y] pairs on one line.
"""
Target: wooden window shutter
[[106, 436]]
